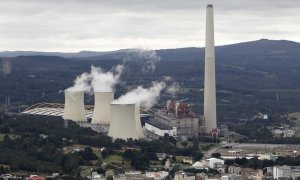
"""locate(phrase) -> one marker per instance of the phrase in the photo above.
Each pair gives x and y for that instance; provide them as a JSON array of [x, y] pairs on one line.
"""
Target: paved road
[[214, 149], [248, 145]]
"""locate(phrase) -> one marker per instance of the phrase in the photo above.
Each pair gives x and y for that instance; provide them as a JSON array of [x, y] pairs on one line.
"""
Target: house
[[213, 162]]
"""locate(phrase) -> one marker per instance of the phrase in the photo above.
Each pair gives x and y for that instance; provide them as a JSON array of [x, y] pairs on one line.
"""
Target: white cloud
[[74, 25]]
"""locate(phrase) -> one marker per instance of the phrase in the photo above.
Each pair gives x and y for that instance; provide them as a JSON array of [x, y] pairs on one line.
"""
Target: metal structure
[[101, 113], [53, 109], [210, 115], [74, 106], [125, 122]]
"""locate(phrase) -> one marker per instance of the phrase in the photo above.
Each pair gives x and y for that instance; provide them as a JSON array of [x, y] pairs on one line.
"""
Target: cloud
[[74, 25]]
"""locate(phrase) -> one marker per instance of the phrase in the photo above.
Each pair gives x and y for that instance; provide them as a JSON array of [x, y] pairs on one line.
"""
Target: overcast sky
[[100, 25]]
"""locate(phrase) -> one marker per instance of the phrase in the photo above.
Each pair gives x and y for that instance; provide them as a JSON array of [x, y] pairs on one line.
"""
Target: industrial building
[[177, 120], [53, 110], [156, 129]]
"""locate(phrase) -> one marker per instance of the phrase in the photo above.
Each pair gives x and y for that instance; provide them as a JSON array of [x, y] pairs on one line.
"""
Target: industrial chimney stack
[[210, 115]]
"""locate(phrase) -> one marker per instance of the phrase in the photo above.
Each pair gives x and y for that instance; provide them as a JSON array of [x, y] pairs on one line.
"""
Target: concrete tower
[[101, 113], [74, 106], [210, 115], [125, 122]]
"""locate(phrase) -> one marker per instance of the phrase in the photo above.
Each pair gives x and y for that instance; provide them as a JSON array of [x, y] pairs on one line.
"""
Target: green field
[[113, 159]]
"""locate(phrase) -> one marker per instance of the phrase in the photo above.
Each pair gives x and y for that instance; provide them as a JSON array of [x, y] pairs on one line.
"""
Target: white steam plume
[[148, 58], [173, 89], [97, 80], [105, 81], [81, 83], [145, 97]]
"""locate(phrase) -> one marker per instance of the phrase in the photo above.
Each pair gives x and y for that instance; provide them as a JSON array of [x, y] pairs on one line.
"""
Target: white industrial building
[[101, 114], [125, 122], [212, 162], [160, 129], [74, 106]]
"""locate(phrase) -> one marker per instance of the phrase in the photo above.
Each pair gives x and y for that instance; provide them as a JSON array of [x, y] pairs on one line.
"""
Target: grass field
[[113, 159]]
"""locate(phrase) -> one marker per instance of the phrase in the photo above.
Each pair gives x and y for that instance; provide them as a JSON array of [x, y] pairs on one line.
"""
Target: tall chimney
[[210, 115]]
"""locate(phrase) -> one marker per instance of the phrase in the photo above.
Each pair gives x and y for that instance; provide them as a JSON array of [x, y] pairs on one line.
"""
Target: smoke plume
[[173, 89], [97, 80], [81, 83], [148, 58], [145, 97], [105, 81]]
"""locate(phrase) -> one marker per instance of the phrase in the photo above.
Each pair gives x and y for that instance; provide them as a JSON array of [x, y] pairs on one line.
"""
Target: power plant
[[125, 122], [210, 114], [74, 106], [102, 114]]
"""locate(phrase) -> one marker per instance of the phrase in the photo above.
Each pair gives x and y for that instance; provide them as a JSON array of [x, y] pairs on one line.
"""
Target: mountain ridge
[[242, 47]]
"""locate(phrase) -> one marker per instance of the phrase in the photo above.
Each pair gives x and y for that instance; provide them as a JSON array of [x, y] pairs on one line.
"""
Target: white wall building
[[160, 129], [280, 172], [213, 161]]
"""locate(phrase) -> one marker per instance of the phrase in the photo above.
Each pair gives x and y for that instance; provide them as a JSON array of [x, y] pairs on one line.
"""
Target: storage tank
[[125, 122], [74, 106], [101, 114]]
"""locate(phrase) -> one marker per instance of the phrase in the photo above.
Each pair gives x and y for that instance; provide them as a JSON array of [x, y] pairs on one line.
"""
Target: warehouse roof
[[159, 125], [53, 109]]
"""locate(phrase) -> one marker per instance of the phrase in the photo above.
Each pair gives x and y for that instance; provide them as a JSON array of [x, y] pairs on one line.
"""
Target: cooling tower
[[74, 106], [101, 113], [125, 122], [210, 115]]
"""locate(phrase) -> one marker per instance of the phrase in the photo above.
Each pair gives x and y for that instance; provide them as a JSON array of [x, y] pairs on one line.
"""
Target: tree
[[184, 143], [216, 155]]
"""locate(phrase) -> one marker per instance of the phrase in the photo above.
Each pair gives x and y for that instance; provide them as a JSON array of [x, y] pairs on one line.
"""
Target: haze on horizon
[[75, 25]]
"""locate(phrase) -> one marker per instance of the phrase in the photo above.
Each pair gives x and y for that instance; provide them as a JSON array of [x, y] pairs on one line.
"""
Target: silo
[[74, 106], [125, 122], [101, 113]]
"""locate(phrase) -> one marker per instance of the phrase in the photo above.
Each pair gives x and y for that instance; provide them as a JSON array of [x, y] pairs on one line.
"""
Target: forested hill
[[249, 75], [259, 49]]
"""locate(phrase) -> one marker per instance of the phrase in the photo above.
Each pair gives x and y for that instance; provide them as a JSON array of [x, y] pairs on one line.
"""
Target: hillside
[[249, 76]]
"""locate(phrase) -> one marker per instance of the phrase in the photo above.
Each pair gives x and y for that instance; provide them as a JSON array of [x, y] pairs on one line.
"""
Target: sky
[[104, 25]]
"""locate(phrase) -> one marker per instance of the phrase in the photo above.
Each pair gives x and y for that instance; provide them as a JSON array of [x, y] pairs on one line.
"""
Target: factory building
[[179, 117], [156, 129]]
